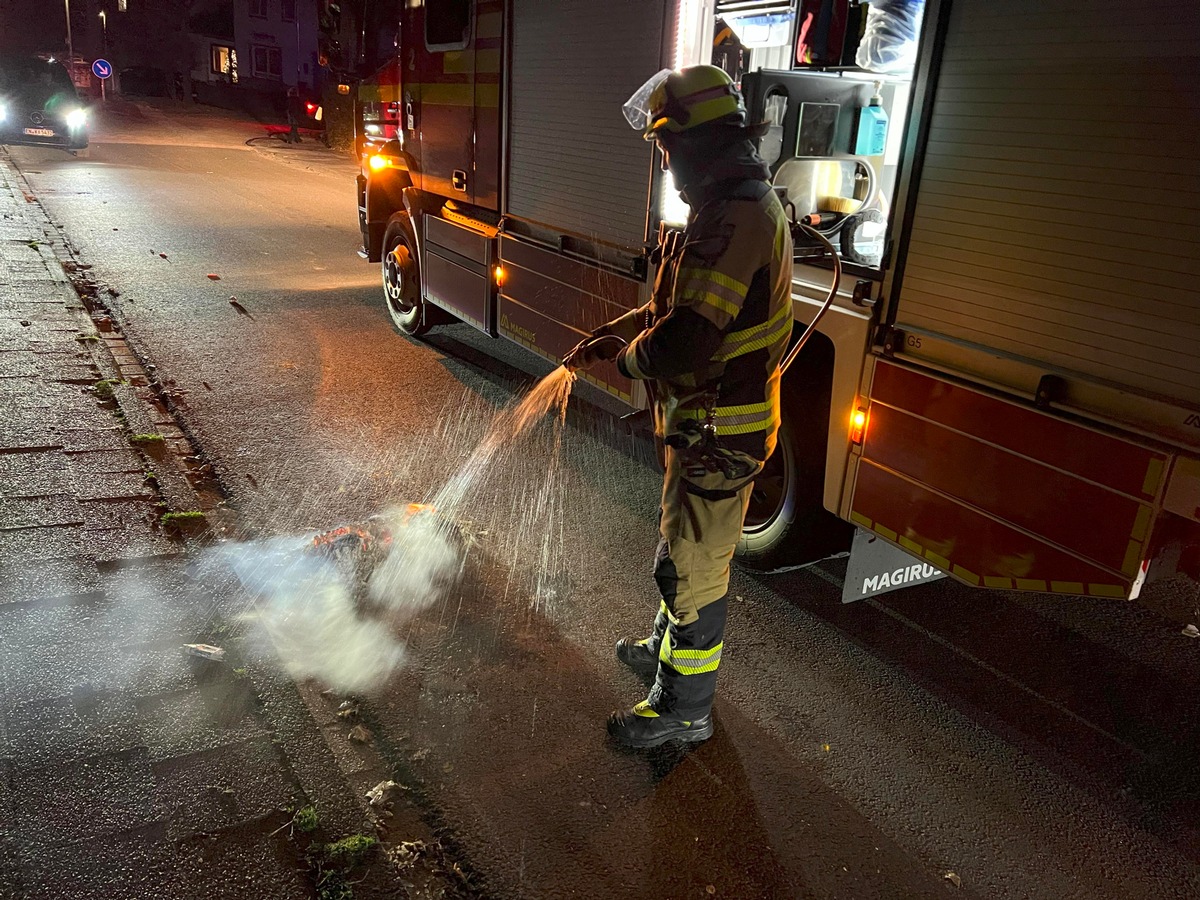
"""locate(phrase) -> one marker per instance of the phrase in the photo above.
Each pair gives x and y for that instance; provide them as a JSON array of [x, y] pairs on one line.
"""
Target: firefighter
[[708, 346]]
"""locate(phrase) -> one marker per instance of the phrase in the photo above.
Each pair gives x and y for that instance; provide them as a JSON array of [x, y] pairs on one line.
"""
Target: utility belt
[[699, 450]]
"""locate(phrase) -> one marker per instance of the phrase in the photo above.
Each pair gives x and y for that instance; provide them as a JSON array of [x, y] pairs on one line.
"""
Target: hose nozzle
[[590, 351]]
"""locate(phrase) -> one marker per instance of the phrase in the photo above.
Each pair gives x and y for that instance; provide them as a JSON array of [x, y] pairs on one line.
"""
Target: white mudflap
[[877, 567]]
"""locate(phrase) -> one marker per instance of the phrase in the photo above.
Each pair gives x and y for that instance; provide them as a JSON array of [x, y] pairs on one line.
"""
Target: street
[[934, 741]]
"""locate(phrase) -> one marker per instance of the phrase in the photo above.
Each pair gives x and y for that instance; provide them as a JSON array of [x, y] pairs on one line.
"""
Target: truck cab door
[[446, 98]]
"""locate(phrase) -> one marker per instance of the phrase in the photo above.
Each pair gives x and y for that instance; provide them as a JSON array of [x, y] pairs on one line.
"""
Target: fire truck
[[1001, 378]]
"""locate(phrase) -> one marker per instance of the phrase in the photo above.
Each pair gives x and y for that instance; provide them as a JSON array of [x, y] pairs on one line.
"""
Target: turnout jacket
[[711, 339]]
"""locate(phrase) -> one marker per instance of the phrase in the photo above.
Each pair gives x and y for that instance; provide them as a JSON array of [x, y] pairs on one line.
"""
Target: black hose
[[833, 289]]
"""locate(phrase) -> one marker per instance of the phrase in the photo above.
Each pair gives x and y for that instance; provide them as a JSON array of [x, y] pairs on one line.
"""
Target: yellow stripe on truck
[[463, 62], [486, 96], [489, 25]]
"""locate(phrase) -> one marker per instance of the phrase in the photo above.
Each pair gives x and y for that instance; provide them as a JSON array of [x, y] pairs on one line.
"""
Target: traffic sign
[[102, 69]]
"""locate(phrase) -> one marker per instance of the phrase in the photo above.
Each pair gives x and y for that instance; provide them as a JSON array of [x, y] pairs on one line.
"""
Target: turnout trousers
[[700, 525]]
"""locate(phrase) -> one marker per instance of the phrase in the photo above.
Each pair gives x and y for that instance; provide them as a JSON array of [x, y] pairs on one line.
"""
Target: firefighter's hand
[[592, 350]]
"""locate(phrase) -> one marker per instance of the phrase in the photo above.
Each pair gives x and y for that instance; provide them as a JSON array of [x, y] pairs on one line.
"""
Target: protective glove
[[594, 349]]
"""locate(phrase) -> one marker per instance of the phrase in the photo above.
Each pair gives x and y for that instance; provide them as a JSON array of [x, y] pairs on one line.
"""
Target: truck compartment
[[1001, 495], [1056, 212], [574, 164], [549, 302], [457, 272]]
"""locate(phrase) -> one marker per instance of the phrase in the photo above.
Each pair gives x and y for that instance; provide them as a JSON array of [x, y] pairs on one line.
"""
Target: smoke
[[331, 612], [425, 561], [330, 604]]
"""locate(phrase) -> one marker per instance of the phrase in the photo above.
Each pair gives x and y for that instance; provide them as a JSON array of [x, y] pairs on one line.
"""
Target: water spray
[[330, 604]]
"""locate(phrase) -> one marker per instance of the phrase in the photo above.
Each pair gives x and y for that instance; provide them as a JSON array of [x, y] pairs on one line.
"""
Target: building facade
[[275, 42]]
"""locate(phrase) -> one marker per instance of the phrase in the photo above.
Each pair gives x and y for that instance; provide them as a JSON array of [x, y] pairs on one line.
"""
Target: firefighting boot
[[642, 655], [639, 656], [642, 727]]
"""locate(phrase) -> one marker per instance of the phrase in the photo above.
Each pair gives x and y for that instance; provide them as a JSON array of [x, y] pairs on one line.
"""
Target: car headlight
[[77, 118], [3, 112]]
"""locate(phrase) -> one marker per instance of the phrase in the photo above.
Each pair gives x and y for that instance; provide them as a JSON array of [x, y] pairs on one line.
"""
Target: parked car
[[144, 81], [39, 105]]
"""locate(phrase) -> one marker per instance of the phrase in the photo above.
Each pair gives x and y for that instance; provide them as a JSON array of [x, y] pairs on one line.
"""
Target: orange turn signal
[[377, 162], [858, 425], [499, 273]]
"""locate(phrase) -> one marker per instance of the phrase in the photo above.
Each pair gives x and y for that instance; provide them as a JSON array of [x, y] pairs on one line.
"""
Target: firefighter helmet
[[678, 101]]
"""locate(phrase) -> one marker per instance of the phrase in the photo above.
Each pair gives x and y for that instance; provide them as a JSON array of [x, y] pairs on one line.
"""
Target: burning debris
[[355, 550], [331, 603], [367, 555]]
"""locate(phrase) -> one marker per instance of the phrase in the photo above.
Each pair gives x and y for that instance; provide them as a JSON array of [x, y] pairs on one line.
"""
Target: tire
[[787, 524], [401, 272]]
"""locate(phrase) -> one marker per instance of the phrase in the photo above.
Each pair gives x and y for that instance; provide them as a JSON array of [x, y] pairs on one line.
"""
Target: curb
[[182, 479], [322, 159]]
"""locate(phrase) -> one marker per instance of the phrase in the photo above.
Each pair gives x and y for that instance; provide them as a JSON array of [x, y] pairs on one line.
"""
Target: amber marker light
[[377, 162], [499, 274], [858, 425]]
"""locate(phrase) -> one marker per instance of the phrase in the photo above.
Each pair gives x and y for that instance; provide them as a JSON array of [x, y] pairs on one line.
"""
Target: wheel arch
[[384, 197], [806, 393], [818, 391]]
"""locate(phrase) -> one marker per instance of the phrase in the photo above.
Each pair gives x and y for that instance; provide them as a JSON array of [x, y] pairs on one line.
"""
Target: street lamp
[[70, 46], [104, 44]]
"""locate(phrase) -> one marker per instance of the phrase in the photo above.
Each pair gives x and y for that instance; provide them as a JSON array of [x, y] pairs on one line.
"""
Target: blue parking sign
[[102, 69]]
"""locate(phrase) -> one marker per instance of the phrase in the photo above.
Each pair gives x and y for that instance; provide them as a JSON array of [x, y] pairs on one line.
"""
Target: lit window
[[258, 8], [287, 10], [224, 61], [267, 62]]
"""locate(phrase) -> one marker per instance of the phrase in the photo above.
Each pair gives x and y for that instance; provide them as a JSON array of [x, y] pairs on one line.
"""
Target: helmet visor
[[637, 109]]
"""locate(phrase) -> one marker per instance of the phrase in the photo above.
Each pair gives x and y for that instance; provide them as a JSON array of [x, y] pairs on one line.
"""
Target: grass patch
[[149, 438], [87, 338], [333, 886], [149, 477], [184, 519], [104, 389], [350, 851], [305, 818], [337, 861]]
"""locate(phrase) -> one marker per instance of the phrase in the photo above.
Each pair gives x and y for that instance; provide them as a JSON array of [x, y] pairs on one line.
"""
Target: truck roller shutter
[[574, 163], [1058, 210]]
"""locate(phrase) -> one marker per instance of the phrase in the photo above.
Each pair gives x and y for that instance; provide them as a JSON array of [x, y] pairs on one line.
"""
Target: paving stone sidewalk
[[127, 768]]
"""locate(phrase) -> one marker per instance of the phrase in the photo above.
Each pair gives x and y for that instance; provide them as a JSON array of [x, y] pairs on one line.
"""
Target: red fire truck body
[[1010, 393]]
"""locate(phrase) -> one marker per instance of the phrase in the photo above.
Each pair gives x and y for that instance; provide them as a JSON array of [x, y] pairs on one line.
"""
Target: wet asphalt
[[1028, 746]]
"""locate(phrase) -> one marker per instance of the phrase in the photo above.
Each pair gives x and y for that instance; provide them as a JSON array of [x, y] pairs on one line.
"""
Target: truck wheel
[[402, 277], [781, 513], [787, 524]]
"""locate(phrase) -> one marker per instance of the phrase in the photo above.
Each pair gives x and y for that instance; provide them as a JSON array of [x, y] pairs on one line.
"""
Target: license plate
[[40, 132]]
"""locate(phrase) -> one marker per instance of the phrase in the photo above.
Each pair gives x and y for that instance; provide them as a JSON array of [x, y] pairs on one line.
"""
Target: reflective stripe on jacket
[[719, 322]]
